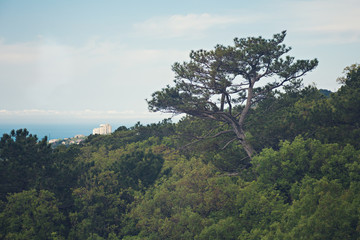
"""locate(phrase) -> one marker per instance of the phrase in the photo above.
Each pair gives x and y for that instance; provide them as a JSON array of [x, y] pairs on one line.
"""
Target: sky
[[84, 61]]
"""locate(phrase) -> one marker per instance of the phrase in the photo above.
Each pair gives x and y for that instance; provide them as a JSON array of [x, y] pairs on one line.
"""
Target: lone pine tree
[[223, 84]]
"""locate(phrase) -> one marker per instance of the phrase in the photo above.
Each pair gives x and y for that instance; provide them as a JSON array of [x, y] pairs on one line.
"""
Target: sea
[[53, 131]]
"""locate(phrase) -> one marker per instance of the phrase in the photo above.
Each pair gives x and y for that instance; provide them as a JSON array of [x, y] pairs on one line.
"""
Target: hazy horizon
[[59, 130]]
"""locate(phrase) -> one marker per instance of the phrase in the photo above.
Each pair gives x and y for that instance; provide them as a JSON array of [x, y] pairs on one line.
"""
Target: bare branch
[[227, 144], [199, 139], [228, 99]]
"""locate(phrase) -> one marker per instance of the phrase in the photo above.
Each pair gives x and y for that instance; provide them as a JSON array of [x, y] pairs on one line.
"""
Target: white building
[[103, 129], [79, 136], [51, 141]]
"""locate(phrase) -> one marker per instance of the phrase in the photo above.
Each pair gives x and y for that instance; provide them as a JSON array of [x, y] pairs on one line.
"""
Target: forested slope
[[171, 181]]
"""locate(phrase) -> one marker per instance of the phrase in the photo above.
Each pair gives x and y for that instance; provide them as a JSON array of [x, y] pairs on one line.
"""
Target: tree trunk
[[248, 148], [246, 145], [240, 134]]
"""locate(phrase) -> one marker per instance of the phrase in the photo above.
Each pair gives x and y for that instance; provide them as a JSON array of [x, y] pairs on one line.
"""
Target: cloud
[[184, 25], [99, 74], [331, 21], [19, 53], [326, 21], [87, 115]]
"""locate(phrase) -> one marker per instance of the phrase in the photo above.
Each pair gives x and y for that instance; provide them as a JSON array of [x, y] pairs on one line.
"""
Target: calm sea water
[[53, 131]]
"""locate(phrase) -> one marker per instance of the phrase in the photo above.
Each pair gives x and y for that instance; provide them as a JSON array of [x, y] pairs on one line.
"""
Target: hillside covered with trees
[[191, 179]]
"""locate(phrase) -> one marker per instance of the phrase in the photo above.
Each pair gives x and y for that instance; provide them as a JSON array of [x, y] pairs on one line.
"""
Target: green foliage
[[31, 215], [346, 101], [137, 133], [227, 157], [288, 166], [324, 210], [24, 162], [308, 112], [65, 173], [227, 228], [155, 182], [177, 208], [99, 207], [285, 115], [106, 190], [138, 168]]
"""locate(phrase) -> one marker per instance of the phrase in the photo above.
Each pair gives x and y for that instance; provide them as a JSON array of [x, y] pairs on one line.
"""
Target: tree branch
[[227, 144]]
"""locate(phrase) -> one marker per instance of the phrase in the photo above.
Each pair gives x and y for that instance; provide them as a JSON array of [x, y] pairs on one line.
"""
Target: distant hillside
[[325, 92]]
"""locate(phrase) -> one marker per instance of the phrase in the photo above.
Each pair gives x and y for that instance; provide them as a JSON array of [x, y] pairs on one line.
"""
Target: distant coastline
[[53, 131]]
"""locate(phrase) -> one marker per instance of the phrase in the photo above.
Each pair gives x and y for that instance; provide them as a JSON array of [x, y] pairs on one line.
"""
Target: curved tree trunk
[[240, 134], [248, 148], [246, 145]]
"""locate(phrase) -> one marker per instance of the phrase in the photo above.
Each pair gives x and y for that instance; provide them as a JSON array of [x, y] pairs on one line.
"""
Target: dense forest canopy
[[147, 182]]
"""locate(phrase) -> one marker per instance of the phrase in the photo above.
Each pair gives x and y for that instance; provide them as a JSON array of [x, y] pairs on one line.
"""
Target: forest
[[190, 180]]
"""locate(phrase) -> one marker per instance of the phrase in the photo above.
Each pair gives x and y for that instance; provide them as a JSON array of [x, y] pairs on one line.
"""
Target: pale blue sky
[[97, 61]]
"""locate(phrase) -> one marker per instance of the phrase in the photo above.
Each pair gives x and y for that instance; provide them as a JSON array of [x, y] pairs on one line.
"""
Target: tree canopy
[[142, 183], [224, 83]]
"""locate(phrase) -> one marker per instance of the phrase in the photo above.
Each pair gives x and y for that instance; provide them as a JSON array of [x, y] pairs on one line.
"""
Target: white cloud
[[19, 53], [189, 25], [331, 20], [56, 116], [99, 75], [105, 76]]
